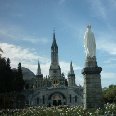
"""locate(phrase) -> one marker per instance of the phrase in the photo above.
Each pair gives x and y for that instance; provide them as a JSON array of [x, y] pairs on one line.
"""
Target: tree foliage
[[19, 82], [10, 80], [11, 84], [109, 94]]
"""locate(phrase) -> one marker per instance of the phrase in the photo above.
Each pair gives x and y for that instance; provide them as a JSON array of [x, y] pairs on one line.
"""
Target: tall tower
[[71, 76], [55, 70], [54, 51]]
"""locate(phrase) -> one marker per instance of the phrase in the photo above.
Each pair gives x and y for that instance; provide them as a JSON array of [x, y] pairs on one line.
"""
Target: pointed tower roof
[[38, 69], [54, 44], [71, 68]]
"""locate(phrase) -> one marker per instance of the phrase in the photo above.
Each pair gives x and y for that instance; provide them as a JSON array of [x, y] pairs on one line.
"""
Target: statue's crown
[[89, 26]]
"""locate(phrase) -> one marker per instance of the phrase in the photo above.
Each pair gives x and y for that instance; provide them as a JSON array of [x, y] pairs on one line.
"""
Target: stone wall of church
[[45, 97]]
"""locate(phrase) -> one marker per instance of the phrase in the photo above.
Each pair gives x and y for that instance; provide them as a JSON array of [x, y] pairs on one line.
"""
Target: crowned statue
[[89, 43]]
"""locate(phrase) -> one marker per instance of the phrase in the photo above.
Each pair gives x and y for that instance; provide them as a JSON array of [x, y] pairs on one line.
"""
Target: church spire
[[54, 44], [38, 69], [54, 51], [71, 68]]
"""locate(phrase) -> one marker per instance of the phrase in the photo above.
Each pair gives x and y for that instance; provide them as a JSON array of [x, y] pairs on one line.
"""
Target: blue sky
[[26, 28]]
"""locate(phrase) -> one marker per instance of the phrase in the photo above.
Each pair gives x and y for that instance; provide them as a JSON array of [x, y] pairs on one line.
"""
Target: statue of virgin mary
[[89, 43]]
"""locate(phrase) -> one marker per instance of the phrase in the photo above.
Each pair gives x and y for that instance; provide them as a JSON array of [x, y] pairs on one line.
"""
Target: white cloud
[[107, 46], [110, 61], [45, 68], [108, 75], [35, 40], [18, 54], [108, 78]]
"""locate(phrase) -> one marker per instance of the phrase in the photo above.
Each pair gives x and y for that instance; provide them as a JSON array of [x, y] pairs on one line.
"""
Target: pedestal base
[[92, 84]]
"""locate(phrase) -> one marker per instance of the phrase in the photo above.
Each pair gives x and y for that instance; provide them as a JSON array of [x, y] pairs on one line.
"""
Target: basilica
[[55, 89]]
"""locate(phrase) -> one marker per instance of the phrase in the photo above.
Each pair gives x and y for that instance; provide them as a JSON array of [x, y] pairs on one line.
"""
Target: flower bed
[[109, 110]]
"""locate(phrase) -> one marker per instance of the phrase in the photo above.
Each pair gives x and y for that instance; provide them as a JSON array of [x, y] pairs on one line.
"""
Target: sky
[[26, 34]]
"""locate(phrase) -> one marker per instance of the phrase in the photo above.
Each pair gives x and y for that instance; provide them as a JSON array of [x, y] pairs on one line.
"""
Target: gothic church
[[55, 89]]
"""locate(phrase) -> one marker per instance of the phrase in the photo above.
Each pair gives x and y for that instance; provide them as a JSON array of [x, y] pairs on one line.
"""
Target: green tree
[[6, 76], [9, 76], [2, 74], [109, 94], [8, 64], [19, 82]]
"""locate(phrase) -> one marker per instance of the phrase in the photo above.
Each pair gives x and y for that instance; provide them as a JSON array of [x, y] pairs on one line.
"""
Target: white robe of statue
[[89, 43]]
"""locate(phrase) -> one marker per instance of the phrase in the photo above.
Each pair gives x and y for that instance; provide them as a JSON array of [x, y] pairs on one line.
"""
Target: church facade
[[54, 89]]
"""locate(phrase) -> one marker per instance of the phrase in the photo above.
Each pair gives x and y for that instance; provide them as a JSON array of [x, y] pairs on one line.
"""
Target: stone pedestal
[[92, 84]]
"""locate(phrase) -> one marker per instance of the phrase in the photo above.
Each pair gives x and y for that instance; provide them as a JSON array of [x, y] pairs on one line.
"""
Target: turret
[[39, 76], [71, 76], [38, 69], [71, 69]]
